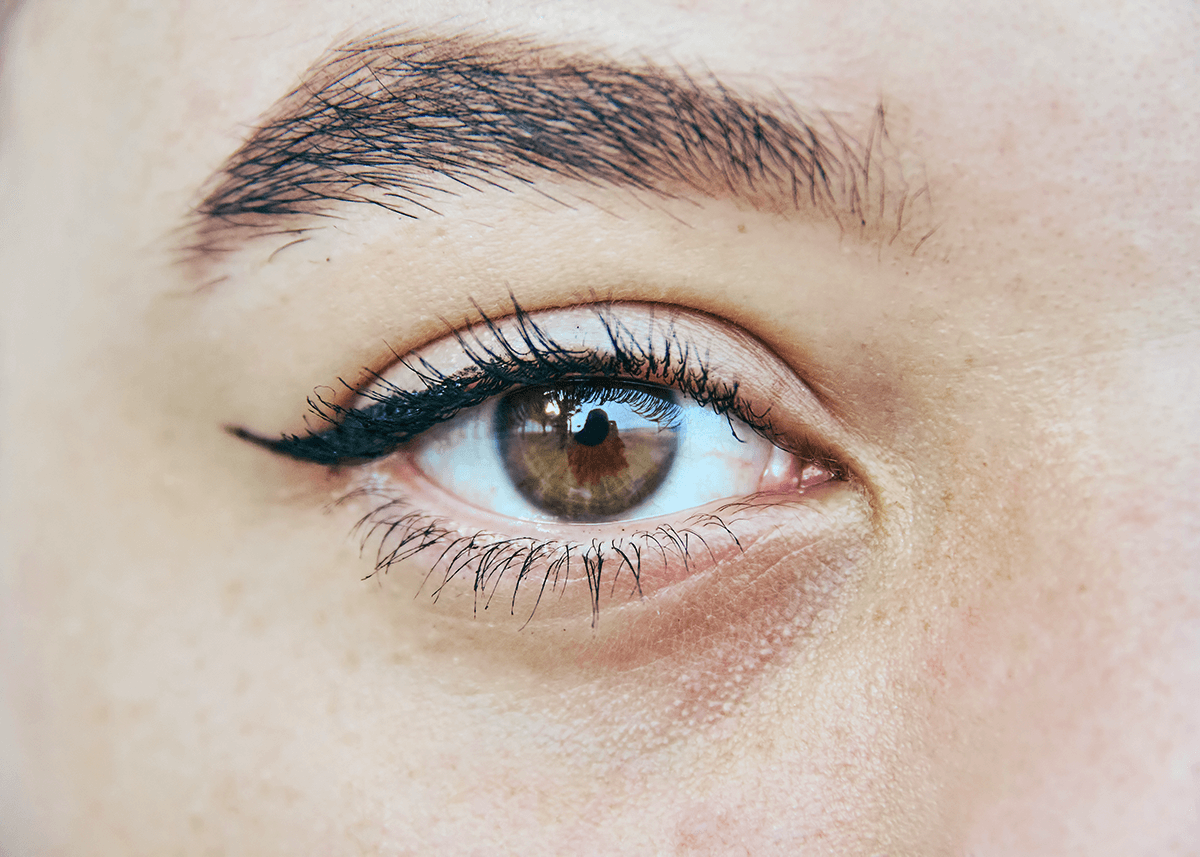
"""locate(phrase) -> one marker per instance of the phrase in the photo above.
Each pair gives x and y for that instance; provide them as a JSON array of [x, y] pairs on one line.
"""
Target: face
[[600, 428]]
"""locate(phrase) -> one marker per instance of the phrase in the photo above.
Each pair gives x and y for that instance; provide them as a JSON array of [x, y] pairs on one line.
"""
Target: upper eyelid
[[490, 344], [807, 429], [525, 345]]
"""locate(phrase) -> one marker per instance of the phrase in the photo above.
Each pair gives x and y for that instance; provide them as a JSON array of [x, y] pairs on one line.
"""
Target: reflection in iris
[[588, 450]]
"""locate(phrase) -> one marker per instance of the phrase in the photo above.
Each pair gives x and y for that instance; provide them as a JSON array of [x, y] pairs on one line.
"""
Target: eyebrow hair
[[397, 119]]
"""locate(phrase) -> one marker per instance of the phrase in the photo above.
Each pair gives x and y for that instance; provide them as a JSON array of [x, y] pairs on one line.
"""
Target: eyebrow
[[398, 119]]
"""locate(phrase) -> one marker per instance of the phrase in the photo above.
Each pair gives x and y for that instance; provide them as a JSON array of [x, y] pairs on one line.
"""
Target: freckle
[[742, 228]]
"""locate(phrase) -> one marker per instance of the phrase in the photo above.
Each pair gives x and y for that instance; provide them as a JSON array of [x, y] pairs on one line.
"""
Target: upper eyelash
[[358, 435]]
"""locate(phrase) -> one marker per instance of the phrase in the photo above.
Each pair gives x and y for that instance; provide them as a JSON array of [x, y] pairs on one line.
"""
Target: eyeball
[[591, 450]]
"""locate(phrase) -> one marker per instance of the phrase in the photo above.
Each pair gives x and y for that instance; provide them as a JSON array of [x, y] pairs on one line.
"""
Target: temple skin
[[985, 642]]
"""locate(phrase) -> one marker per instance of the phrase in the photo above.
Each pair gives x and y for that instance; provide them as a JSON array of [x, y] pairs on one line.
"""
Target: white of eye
[[717, 458]]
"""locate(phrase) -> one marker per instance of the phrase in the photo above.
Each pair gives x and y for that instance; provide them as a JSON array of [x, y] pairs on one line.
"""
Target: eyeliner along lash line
[[396, 416]]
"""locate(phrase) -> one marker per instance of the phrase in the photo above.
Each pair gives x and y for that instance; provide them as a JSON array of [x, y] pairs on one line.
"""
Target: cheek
[[690, 660], [745, 608], [1060, 684]]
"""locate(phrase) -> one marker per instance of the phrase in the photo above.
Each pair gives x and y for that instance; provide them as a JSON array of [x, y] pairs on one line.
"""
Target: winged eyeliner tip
[[246, 435], [310, 448]]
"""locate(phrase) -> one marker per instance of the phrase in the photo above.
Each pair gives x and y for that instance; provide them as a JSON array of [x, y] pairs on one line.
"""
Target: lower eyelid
[[760, 569], [394, 501]]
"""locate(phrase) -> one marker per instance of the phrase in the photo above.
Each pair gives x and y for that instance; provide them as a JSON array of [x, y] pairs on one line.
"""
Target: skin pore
[[981, 638]]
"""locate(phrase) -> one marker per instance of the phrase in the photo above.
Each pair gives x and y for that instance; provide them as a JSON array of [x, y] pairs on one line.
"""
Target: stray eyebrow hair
[[397, 119]]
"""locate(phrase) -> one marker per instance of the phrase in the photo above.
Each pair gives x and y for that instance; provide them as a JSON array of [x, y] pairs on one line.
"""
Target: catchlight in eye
[[588, 451]]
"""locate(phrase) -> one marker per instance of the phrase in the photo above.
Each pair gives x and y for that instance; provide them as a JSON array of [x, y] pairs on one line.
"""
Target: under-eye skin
[[613, 449]]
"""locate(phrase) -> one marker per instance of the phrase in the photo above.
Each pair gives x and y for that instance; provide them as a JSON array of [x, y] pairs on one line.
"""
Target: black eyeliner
[[533, 358]]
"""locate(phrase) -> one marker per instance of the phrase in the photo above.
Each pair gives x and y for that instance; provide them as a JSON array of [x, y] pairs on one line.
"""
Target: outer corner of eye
[[798, 473]]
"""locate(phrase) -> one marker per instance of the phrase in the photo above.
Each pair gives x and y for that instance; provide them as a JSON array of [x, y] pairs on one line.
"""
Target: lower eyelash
[[402, 532]]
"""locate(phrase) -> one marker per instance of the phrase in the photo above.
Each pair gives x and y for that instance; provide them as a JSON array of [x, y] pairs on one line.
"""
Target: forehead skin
[[189, 660]]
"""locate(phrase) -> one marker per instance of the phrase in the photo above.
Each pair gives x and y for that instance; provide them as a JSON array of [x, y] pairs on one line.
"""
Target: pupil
[[595, 430], [619, 456]]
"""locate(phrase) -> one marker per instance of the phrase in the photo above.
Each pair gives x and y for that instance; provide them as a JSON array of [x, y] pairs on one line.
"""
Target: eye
[[592, 450], [623, 448]]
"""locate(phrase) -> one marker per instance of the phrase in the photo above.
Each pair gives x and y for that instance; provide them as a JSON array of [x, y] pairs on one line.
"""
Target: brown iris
[[588, 450]]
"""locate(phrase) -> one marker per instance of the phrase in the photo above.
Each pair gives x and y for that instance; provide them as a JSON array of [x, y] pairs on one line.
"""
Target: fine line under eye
[[499, 360]]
